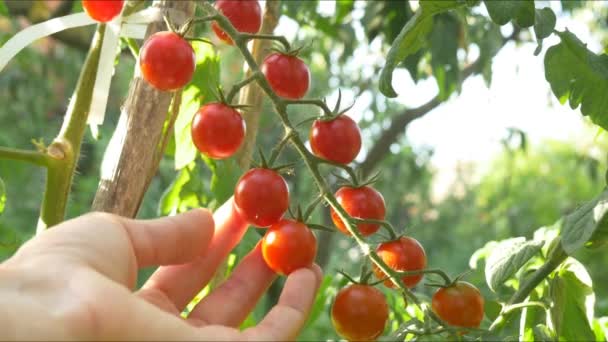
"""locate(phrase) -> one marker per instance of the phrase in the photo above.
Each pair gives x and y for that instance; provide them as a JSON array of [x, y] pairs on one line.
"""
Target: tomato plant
[[363, 203], [403, 254], [289, 245], [245, 16], [359, 312], [460, 304], [337, 140], [288, 75], [261, 196], [167, 61], [218, 130], [102, 10]]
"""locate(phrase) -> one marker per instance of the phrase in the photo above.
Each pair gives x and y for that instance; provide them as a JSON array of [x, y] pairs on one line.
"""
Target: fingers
[[233, 300], [170, 240], [181, 283], [287, 318], [116, 246]]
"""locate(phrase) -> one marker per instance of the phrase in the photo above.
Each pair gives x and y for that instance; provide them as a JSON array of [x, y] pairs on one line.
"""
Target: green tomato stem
[[66, 146], [33, 157], [310, 160]]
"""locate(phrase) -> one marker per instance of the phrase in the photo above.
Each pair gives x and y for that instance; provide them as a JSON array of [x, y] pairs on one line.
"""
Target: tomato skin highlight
[[287, 75], [167, 61], [245, 16], [262, 197], [218, 130], [403, 254], [359, 313], [102, 10], [337, 140], [460, 305], [365, 203], [288, 246]]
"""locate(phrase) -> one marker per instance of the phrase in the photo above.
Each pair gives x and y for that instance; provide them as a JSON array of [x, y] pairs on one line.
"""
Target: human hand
[[75, 282]]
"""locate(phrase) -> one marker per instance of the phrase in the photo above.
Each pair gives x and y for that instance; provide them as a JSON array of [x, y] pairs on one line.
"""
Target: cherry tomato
[[460, 305], [288, 76], [338, 140], [262, 197], [403, 254], [245, 16], [365, 203], [359, 313], [102, 10], [218, 130], [167, 61], [289, 245]]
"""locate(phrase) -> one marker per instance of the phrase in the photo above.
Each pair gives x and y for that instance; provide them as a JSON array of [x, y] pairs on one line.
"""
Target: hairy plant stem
[[65, 149], [312, 163], [33, 157]]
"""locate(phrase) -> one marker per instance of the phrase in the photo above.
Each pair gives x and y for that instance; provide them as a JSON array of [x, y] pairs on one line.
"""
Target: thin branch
[[238, 86], [315, 102], [33, 157], [401, 120], [280, 39]]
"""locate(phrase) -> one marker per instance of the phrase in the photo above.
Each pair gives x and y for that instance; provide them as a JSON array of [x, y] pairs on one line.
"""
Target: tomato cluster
[[261, 195]]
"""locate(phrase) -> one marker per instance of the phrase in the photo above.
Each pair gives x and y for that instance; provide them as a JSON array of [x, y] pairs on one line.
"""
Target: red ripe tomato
[[167, 61], [460, 305], [245, 16], [218, 130], [359, 313], [364, 203], [102, 10], [337, 140], [403, 254], [288, 76], [289, 245], [262, 197]]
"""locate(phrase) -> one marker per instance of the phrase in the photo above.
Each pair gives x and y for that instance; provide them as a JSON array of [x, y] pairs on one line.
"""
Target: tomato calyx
[[357, 178], [364, 277], [223, 99], [285, 48], [336, 111]]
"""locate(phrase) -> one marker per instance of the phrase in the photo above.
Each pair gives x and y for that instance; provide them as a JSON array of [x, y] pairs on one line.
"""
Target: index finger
[[180, 283]]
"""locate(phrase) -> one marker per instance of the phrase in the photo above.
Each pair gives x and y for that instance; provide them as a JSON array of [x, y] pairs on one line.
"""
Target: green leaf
[[543, 26], [520, 11], [580, 76], [573, 299], [225, 174], [543, 333], [481, 254], [600, 328], [492, 309], [530, 317], [544, 23], [444, 47], [580, 226], [2, 196], [200, 91], [3, 9], [186, 192], [411, 38], [507, 258]]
